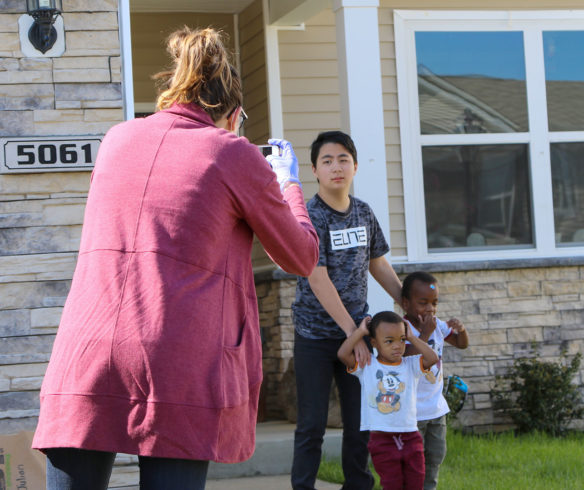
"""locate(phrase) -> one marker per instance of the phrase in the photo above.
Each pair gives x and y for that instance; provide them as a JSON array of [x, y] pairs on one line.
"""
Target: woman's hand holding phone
[[284, 165]]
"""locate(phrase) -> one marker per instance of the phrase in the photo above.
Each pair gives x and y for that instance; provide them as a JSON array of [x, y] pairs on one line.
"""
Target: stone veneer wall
[[505, 310], [78, 93], [275, 297]]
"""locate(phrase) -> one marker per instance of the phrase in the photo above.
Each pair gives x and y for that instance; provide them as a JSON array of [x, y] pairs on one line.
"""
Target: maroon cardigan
[[158, 352]]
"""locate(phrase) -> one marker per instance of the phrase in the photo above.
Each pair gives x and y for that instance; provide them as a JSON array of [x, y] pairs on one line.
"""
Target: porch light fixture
[[42, 34]]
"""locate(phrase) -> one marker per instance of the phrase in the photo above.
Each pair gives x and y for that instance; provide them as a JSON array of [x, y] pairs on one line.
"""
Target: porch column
[[362, 112]]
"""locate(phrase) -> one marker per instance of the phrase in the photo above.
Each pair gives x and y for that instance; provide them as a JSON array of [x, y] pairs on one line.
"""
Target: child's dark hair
[[332, 137], [383, 316], [424, 277]]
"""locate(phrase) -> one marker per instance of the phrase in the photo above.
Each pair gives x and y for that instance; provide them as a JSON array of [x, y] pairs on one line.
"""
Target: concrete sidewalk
[[273, 453], [281, 482], [269, 467]]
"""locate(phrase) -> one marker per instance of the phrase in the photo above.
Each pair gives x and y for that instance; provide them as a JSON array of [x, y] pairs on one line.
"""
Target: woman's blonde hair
[[201, 73]]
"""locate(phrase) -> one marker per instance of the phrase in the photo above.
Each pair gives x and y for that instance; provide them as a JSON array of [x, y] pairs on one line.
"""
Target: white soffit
[[203, 6]]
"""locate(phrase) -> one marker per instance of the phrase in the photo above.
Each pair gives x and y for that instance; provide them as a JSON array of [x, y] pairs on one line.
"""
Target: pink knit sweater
[[158, 352]]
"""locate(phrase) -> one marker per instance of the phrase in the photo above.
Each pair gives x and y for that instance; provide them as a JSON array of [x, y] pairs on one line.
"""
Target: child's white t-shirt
[[431, 402], [388, 394]]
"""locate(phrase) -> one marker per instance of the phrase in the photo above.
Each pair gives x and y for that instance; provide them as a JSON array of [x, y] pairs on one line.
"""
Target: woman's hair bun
[[201, 73]]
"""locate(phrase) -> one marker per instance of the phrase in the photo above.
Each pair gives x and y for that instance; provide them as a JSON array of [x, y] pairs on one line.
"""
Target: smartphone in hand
[[269, 150]]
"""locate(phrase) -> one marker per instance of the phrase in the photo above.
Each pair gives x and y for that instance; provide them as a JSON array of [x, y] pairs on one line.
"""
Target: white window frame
[[532, 23]]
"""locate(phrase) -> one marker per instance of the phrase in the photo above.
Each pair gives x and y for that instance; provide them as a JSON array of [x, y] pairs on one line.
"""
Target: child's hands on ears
[[409, 333]]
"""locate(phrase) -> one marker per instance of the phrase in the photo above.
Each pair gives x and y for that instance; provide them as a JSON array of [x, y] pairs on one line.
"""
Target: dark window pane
[[477, 196], [568, 191], [471, 82], [564, 79]]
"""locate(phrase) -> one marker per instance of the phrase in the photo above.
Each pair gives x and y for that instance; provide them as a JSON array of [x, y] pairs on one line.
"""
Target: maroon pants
[[398, 458]]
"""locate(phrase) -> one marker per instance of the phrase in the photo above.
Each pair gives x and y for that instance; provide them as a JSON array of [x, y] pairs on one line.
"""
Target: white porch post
[[362, 112], [126, 51]]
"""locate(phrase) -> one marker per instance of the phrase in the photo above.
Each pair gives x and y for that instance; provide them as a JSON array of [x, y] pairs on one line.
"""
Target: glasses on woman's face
[[242, 118]]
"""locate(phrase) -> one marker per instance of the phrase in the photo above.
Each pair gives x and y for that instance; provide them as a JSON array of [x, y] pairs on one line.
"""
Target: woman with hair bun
[[158, 352]]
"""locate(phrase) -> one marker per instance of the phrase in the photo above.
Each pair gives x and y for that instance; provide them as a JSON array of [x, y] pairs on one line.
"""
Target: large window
[[492, 124]]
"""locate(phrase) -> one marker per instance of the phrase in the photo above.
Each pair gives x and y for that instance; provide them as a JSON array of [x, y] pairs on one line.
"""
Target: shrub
[[542, 396]]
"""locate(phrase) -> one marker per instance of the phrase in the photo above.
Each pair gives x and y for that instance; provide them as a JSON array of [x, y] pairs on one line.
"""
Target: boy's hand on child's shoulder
[[362, 354], [456, 325], [364, 325], [361, 351]]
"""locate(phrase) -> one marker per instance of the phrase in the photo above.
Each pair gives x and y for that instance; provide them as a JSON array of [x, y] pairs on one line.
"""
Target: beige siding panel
[[312, 69], [396, 205], [252, 48], [391, 118], [149, 32], [254, 64], [251, 29], [394, 171], [310, 36], [397, 222], [389, 85], [394, 153], [392, 135], [322, 19], [301, 52], [307, 103], [250, 13], [312, 86], [255, 97], [398, 243], [316, 121], [255, 80]]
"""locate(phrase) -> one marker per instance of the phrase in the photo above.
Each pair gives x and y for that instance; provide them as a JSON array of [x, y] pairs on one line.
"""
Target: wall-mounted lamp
[[42, 34]]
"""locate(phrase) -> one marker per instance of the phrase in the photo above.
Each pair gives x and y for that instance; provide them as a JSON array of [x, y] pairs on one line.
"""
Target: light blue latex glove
[[286, 165]]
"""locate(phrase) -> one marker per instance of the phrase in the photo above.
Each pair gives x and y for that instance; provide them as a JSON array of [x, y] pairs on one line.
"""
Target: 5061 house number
[[51, 154]]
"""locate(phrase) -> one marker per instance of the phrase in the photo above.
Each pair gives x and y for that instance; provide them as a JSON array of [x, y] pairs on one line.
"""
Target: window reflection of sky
[[487, 54], [564, 55]]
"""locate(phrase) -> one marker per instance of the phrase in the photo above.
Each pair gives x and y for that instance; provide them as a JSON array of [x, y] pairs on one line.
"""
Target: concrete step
[[274, 450]]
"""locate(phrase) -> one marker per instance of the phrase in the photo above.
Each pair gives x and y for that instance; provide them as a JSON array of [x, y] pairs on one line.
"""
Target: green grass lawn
[[502, 462]]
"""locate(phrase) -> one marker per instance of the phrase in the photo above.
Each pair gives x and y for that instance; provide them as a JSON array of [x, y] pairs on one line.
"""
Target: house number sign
[[48, 154]]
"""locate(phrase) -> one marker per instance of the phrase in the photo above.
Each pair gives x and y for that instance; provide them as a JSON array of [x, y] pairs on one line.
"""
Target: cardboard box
[[21, 468]]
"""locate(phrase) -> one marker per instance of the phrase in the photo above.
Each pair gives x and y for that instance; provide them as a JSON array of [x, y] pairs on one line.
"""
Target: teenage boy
[[329, 305]]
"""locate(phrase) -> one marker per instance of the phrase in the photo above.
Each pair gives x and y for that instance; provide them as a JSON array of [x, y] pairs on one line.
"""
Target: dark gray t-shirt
[[347, 242]]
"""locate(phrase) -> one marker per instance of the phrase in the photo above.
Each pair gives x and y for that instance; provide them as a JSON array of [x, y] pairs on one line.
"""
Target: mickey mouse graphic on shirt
[[389, 386]]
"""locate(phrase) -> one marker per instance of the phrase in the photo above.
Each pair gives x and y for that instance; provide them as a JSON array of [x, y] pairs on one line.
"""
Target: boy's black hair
[[422, 276], [383, 316], [332, 137]]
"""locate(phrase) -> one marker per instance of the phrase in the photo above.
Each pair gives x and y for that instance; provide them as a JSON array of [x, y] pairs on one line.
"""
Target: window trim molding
[[532, 23]]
